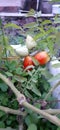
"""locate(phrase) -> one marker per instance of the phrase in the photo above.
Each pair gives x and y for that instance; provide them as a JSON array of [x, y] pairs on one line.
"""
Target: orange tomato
[[42, 57], [28, 62]]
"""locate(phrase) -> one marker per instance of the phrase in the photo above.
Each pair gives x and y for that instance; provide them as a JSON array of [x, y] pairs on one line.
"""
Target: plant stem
[[21, 127], [52, 119], [18, 112], [12, 111], [3, 36], [53, 111]]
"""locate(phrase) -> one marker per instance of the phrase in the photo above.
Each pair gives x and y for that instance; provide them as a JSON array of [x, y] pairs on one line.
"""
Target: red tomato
[[28, 62], [42, 57]]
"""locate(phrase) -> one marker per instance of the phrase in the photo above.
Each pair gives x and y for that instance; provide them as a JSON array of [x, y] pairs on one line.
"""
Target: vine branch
[[18, 112], [12, 111]]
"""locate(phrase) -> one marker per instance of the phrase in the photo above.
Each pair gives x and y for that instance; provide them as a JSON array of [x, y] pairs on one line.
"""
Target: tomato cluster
[[42, 57]]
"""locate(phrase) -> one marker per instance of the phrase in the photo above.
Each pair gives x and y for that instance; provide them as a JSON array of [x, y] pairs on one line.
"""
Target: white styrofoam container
[[54, 71], [56, 9]]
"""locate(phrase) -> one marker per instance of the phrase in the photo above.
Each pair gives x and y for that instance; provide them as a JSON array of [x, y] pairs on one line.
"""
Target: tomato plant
[[33, 84], [28, 62], [42, 57]]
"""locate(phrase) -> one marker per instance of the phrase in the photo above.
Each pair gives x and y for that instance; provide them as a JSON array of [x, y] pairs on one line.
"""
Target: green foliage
[[58, 128], [2, 114], [15, 40], [3, 87], [32, 127], [43, 33], [55, 0], [56, 65], [8, 128], [57, 77], [2, 125], [12, 25]]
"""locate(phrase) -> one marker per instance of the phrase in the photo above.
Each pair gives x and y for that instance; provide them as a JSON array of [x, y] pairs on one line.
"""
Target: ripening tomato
[[42, 57], [28, 62]]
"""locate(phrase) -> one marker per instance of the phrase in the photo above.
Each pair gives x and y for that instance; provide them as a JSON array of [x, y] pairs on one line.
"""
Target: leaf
[[3, 87], [57, 65], [15, 105], [38, 105], [35, 61], [32, 127], [41, 128], [28, 120], [2, 124], [34, 89], [46, 73], [41, 29], [38, 14], [30, 25], [10, 50], [57, 20], [46, 22], [8, 122], [2, 113], [30, 13], [31, 118], [8, 74], [34, 118], [1, 49], [11, 65], [20, 79], [5, 101], [57, 77], [8, 128], [55, 0], [28, 94], [58, 128], [57, 37], [38, 36], [12, 25]]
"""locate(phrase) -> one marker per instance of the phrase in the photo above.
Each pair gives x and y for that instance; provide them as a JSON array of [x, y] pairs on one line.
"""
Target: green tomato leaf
[[8, 128], [30, 25], [11, 50], [20, 79], [2, 113], [57, 65], [12, 25], [34, 89], [35, 61], [58, 128], [2, 125], [3, 87], [8, 74], [57, 77], [28, 120], [28, 94], [46, 22], [32, 127]]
